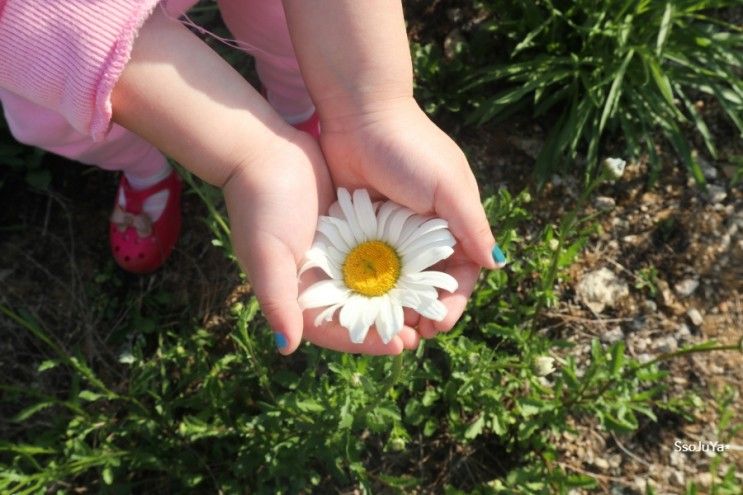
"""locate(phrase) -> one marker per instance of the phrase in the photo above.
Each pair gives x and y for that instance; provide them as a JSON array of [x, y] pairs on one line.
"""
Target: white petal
[[329, 229], [432, 239], [433, 278], [389, 319], [336, 212], [355, 316], [323, 293], [317, 257], [395, 224], [433, 310], [425, 258], [344, 200], [413, 294], [383, 214], [430, 225], [343, 229], [327, 314], [411, 225], [365, 213]]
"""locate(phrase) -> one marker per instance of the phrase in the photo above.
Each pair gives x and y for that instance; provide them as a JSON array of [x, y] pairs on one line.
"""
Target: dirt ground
[[55, 264]]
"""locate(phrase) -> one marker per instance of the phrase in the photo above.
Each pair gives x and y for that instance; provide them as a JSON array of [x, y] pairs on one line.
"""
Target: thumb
[[273, 275], [462, 208]]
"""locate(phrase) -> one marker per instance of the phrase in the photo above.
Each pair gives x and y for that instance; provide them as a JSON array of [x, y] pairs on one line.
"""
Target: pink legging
[[258, 24]]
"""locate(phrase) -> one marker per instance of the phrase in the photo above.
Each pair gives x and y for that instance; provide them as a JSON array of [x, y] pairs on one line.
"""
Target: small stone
[[615, 461], [716, 194], [614, 167], [683, 332], [604, 203], [649, 306], [686, 287], [704, 479], [631, 239], [613, 335], [716, 369], [676, 478], [601, 463], [695, 316], [601, 288], [666, 345], [708, 170], [644, 358]]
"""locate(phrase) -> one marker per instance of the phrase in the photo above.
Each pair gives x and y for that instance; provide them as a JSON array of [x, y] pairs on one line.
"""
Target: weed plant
[[476, 410], [592, 71]]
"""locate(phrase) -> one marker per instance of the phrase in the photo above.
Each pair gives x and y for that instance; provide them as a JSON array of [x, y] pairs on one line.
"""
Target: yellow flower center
[[371, 268]]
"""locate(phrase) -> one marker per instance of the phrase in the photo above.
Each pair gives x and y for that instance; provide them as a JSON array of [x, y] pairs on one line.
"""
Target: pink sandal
[[138, 244]]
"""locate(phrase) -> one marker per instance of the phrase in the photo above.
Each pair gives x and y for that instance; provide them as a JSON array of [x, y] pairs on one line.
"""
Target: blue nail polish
[[280, 339], [498, 256]]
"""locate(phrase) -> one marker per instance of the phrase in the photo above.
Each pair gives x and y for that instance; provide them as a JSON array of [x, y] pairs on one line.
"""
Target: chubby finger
[[273, 275], [458, 202], [466, 273]]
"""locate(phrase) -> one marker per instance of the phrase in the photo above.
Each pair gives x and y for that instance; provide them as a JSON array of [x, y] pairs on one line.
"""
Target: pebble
[[683, 332], [716, 194], [677, 478], [686, 287], [601, 288], [604, 203], [601, 463], [649, 306], [695, 316], [615, 461], [644, 358], [612, 336], [666, 344]]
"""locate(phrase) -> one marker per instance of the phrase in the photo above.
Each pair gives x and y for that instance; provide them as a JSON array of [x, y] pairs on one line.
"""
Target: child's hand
[[181, 96], [273, 203], [398, 152]]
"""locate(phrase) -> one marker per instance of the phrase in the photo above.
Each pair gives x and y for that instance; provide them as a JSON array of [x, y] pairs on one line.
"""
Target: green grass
[[189, 409], [182, 407], [614, 74]]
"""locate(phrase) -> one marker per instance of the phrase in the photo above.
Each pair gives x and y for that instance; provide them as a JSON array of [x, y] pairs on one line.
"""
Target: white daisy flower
[[375, 256]]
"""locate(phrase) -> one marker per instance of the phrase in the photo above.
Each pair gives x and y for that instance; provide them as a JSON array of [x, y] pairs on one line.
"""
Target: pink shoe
[[138, 244]]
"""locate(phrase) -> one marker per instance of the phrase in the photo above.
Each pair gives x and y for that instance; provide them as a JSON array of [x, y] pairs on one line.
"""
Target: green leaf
[[665, 27], [615, 91], [475, 428], [90, 396]]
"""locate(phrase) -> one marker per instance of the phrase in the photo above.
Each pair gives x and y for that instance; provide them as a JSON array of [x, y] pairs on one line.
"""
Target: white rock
[[676, 478], [716, 194], [601, 288], [613, 335], [666, 344], [695, 316], [604, 203], [614, 167], [683, 332], [686, 287]]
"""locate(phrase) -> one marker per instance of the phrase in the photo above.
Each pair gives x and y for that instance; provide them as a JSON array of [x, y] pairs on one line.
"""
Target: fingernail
[[280, 339], [498, 256]]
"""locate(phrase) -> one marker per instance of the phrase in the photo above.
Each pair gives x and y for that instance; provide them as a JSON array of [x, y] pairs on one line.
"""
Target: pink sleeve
[[67, 55]]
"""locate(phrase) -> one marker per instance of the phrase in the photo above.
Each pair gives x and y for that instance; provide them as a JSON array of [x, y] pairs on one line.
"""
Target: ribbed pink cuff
[[67, 56]]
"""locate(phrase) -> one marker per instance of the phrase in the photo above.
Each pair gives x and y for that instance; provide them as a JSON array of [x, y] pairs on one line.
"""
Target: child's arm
[[355, 59], [177, 93]]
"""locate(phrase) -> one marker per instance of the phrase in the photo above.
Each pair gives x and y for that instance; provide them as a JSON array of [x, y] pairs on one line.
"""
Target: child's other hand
[[273, 203], [395, 150]]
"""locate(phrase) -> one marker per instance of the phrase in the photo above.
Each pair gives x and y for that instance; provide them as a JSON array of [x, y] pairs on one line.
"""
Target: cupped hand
[[395, 151], [273, 203]]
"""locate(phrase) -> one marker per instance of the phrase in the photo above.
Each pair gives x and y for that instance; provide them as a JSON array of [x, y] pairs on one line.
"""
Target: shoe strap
[[135, 198]]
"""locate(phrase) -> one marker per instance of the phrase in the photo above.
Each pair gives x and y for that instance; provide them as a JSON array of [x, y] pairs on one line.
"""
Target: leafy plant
[[592, 70]]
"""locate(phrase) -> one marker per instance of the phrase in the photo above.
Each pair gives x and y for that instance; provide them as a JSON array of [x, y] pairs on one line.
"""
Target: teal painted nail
[[280, 339], [498, 255]]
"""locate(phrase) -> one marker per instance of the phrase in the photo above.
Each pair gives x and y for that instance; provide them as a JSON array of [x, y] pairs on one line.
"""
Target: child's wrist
[[356, 110]]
